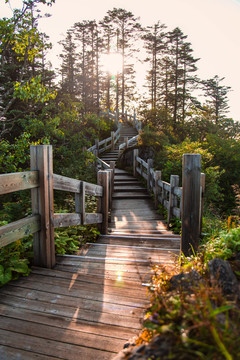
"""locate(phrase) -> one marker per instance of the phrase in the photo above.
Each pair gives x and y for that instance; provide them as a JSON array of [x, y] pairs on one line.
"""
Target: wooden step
[[130, 195], [128, 188], [168, 241]]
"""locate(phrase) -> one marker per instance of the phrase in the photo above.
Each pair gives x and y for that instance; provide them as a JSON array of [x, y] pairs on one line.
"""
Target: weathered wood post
[[174, 182], [112, 140], [80, 202], [150, 166], [102, 179], [117, 116], [203, 180], [191, 176], [158, 177], [97, 147], [42, 204], [126, 141], [112, 166], [110, 187], [135, 155]]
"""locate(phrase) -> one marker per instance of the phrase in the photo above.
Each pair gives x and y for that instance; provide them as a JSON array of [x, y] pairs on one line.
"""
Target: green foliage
[[15, 259], [14, 156], [33, 90], [224, 246], [68, 240], [196, 319]]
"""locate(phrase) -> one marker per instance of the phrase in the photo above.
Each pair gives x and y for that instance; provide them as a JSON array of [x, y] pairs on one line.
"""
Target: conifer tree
[[154, 44], [217, 96], [127, 27]]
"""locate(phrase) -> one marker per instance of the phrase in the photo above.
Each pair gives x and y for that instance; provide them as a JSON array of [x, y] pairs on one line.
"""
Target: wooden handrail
[[41, 224], [184, 202], [18, 181]]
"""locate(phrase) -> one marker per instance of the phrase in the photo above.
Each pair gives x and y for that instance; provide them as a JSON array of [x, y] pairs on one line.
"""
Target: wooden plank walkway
[[90, 304]]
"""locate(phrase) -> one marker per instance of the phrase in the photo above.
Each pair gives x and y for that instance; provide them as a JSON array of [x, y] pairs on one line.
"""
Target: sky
[[212, 27]]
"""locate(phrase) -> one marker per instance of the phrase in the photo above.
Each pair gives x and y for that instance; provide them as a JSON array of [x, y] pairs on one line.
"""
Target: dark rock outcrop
[[220, 272]]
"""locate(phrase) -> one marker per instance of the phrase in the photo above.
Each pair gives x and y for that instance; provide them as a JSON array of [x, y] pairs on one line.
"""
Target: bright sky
[[212, 26]]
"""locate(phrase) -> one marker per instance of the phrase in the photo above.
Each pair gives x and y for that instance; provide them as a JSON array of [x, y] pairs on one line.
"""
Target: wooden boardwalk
[[90, 304]]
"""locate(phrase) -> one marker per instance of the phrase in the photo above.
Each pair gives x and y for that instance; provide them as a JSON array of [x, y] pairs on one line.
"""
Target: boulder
[[220, 271]]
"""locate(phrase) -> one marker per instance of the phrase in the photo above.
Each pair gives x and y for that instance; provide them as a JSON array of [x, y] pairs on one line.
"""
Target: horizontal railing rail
[[18, 229], [105, 144], [42, 181]]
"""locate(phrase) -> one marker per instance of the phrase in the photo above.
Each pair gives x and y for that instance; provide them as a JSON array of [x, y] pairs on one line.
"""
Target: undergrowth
[[198, 322]]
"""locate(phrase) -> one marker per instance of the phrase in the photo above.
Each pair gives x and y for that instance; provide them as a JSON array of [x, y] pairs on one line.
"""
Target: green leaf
[[5, 276], [220, 310], [20, 268]]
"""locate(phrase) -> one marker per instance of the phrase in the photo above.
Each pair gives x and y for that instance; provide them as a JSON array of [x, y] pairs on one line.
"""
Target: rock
[[220, 271], [185, 280], [159, 348]]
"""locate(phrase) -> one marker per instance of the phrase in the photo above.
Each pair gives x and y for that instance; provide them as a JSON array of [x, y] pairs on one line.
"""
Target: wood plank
[[72, 219], [27, 327], [88, 278], [50, 348], [79, 297], [131, 195], [9, 353], [63, 219], [80, 326], [9, 297], [19, 229], [124, 275], [153, 242], [75, 282], [18, 181], [93, 189], [104, 265], [64, 183], [127, 252], [73, 185]]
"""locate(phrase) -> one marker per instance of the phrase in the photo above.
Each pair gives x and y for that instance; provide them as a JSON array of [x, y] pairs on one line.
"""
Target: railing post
[[150, 165], [104, 201], [97, 147], [191, 175], [158, 176], [42, 204], [174, 181], [112, 141], [126, 141], [203, 179], [112, 167], [80, 202], [135, 154]]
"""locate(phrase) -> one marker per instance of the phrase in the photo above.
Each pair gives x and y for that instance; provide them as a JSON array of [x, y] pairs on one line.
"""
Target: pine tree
[[154, 44], [68, 64], [217, 96], [127, 27]]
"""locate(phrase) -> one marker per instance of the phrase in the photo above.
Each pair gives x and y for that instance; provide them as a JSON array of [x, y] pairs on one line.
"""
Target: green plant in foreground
[[200, 321], [226, 245], [15, 260], [68, 240]]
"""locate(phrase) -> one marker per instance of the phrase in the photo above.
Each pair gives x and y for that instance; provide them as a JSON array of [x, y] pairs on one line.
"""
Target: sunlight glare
[[119, 276], [112, 62]]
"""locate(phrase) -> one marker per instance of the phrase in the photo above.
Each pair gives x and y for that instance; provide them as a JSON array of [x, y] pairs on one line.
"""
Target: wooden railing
[[184, 202], [106, 144], [109, 143], [43, 220]]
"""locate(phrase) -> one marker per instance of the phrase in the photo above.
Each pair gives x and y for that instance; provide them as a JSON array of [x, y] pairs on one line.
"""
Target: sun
[[112, 63]]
